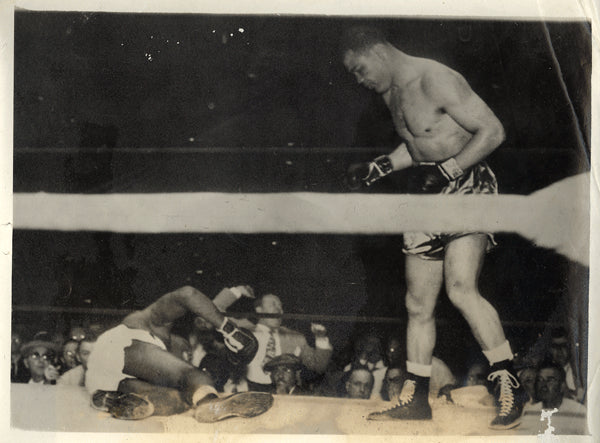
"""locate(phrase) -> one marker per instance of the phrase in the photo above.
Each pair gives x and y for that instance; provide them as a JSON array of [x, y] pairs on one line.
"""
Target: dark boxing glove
[[240, 342], [360, 174], [432, 178]]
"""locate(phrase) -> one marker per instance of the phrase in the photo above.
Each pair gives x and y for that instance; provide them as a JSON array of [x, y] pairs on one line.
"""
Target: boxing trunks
[[479, 179], [105, 366]]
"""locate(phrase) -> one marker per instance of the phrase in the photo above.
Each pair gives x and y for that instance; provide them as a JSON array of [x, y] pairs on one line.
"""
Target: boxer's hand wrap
[[367, 173], [432, 178], [239, 341]]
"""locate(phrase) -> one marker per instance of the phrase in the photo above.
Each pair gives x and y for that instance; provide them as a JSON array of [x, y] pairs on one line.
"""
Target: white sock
[[418, 369], [499, 353], [202, 392]]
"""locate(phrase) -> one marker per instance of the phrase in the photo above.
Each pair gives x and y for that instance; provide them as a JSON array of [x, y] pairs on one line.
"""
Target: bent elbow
[[498, 135]]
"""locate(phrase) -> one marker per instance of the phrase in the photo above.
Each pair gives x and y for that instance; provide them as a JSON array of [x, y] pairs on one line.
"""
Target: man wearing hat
[[285, 374], [39, 356]]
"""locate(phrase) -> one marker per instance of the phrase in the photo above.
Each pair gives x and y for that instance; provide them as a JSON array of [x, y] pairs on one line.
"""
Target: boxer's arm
[[401, 158], [451, 93], [174, 305], [229, 296]]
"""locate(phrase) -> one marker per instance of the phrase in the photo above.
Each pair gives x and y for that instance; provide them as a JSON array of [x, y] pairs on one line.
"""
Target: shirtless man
[[447, 132], [132, 374]]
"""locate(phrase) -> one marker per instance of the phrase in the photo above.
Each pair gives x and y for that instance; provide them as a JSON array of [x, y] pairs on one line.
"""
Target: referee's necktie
[[271, 348]]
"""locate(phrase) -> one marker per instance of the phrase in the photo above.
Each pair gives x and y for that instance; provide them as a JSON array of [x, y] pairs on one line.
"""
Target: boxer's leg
[[462, 265], [157, 374], [166, 401], [423, 284], [424, 280], [157, 366]]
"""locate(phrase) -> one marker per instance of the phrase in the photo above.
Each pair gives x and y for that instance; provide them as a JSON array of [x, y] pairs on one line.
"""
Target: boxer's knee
[[419, 308], [462, 294]]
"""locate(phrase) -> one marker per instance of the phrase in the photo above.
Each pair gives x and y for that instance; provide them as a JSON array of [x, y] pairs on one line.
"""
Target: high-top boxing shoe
[[509, 395], [413, 402]]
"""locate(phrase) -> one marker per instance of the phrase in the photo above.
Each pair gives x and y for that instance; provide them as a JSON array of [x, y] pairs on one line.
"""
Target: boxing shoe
[[413, 402], [243, 404], [509, 396], [124, 406]]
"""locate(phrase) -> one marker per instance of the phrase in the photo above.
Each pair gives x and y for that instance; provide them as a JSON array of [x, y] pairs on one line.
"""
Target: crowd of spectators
[[290, 363]]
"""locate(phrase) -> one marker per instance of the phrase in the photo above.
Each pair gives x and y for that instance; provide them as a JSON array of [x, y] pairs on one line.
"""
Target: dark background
[[172, 103]]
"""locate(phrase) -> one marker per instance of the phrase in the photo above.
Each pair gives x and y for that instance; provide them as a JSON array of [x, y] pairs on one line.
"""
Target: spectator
[[285, 374], [275, 339], [528, 376], [551, 388], [567, 416], [395, 352], [76, 376], [476, 375], [40, 358], [392, 383], [359, 383], [77, 333], [18, 372], [69, 354], [368, 355], [57, 337], [560, 354]]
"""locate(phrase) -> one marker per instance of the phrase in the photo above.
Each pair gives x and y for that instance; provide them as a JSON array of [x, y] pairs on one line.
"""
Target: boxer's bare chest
[[427, 129], [413, 113]]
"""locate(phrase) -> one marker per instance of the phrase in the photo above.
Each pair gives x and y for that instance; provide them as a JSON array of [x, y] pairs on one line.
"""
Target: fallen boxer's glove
[[239, 341], [432, 178], [360, 174]]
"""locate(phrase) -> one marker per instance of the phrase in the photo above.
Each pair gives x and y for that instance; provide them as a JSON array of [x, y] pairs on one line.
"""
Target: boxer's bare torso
[[420, 117], [433, 107]]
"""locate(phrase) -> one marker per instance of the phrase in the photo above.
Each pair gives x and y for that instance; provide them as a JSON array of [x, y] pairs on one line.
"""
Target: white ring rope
[[556, 217]]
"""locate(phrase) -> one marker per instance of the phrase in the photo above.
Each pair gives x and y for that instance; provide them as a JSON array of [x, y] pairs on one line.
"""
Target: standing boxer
[[132, 374], [447, 132]]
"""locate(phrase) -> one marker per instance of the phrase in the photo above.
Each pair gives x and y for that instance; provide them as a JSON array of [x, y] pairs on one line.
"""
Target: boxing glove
[[241, 343], [360, 174]]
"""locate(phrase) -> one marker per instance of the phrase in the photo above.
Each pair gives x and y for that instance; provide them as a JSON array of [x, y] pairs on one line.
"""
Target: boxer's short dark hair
[[361, 38]]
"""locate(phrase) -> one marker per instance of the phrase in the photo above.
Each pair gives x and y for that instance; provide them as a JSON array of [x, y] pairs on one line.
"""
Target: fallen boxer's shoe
[[124, 406], [243, 404]]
